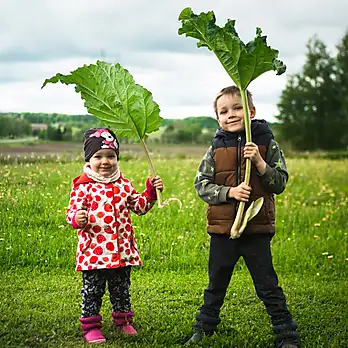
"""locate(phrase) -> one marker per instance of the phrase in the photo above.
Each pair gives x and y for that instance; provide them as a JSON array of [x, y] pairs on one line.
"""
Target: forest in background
[[62, 127]]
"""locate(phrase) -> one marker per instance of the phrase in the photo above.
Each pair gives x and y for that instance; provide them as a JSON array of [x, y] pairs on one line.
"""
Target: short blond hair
[[232, 90]]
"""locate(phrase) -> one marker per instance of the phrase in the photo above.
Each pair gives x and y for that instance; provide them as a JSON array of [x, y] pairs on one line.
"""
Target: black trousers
[[224, 254], [93, 290]]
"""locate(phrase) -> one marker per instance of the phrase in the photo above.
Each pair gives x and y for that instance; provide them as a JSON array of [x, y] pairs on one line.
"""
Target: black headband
[[96, 139]]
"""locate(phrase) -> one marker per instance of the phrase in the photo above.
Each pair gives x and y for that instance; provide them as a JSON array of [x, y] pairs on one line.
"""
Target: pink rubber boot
[[91, 329], [123, 322]]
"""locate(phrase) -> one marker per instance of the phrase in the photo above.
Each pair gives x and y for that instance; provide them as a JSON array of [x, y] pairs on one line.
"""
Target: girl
[[99, 206]]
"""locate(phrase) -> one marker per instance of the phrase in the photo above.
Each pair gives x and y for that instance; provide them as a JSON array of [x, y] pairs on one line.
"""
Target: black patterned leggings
[[93, 289]]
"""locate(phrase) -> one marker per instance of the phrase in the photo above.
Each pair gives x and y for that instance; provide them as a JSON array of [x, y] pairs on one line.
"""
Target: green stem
[[247, 126], [153, 171]]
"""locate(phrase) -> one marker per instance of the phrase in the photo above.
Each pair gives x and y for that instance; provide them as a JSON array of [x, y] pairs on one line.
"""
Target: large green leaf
[[111, 94], [243, 63]]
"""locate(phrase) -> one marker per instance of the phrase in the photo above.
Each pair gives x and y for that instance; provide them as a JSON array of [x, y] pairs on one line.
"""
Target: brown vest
[[221, 217]]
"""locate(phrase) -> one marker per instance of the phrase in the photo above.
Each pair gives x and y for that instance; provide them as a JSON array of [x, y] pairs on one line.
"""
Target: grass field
[[40, 299]]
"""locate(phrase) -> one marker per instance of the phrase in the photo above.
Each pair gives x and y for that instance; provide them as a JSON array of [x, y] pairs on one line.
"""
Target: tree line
[[193, 130], [313, 108]]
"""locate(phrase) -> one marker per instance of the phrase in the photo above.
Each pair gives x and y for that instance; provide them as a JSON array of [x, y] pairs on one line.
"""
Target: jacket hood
[[82, 179]]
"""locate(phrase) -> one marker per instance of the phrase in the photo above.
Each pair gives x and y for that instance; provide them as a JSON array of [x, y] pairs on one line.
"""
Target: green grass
[[40, 299], [41, 309]]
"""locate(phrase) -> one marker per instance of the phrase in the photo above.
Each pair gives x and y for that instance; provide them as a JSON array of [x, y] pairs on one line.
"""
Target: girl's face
[[104, 162], [230, 112]]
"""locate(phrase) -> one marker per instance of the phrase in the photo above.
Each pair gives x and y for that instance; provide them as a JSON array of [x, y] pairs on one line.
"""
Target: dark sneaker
[[196, 337]]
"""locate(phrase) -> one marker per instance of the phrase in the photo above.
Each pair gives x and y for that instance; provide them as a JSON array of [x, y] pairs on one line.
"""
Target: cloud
[[40, 38]]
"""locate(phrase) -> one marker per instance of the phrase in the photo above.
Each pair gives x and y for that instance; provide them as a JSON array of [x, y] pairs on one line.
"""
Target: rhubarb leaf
[[111, 94], [243, 62]]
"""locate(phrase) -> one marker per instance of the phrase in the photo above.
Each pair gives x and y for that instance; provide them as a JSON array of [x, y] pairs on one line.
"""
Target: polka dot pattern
[[108, 240]]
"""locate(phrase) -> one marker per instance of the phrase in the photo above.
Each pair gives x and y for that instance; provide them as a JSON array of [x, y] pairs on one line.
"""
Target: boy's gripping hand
[[251, 151], [81, 218], [240, 192]]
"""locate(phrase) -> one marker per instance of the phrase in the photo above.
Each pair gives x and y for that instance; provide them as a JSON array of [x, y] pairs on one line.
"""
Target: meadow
[[40, 298]]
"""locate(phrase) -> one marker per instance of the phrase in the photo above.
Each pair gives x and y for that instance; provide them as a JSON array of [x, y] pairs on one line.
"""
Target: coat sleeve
[[276, 176], [141, 203], [77, 202], [204, 184]]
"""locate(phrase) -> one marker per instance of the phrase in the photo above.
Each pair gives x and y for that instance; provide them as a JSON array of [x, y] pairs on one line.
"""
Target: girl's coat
[[108, 240]]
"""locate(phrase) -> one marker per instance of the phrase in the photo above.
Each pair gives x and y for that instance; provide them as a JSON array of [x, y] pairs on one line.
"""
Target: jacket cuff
[[267, 173], [74, 223], [150, 190], [223, 194]]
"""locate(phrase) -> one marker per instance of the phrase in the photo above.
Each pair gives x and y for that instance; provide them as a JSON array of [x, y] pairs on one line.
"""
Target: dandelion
[[317, 224], [325, 253], [316, 237], [330, 257]]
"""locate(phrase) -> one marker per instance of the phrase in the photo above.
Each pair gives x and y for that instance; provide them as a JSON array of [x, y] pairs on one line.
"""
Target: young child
[[219, 182], [100, 201]]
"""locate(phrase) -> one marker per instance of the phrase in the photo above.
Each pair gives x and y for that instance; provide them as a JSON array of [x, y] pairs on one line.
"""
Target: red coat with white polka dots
[[108, 240]]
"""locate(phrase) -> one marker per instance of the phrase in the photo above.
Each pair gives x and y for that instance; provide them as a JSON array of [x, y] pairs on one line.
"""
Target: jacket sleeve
[[276, 176], [206, 189], [77, 202], [141, 203]]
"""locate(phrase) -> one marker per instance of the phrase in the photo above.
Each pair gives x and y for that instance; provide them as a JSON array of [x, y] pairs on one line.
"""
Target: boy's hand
[[252, 152], [157, 183], [240, 192], [81, 218]]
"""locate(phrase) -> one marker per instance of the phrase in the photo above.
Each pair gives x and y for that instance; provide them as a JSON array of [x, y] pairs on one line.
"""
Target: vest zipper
[[239, 159]]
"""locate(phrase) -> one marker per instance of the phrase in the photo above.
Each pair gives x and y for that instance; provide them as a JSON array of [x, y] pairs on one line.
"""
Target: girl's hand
[[240, 192], [81, 218], [252, 152], [157, 183]]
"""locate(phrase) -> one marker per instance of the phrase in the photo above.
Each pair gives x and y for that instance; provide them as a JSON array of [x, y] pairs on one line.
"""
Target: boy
[[219, 183]]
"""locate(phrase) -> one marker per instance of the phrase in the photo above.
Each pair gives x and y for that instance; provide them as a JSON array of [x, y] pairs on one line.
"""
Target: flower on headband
[[98, 133], [109, 142]]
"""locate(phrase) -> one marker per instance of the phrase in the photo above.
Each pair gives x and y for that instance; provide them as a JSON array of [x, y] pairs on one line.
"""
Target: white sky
[[39, 38]]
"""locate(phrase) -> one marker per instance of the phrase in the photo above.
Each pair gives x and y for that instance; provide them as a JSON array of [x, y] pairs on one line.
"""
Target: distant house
[[38, 127]]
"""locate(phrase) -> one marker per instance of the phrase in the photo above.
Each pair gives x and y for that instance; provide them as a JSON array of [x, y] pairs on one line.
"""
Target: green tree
[[311, 105], [14, 128], [67, 133], [342, 71]]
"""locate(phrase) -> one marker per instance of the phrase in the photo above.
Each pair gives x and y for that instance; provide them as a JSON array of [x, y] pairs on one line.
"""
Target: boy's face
[[104, 162], [230, 112]]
